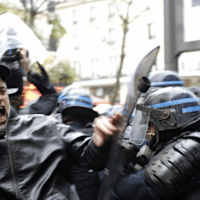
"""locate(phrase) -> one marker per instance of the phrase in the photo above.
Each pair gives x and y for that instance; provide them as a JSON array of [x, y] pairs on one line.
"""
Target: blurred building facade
[[94, 39]]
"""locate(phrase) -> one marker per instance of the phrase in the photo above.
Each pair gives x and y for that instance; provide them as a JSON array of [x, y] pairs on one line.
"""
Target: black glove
[[127, 153], [41, 81]]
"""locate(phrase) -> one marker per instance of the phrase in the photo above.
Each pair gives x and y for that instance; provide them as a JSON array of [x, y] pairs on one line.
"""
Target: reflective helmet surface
[[165, 79], [182, 104], [76, 101]]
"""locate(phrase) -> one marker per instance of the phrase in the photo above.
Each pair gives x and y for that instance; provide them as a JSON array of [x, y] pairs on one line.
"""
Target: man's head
[[4, 105], [76, 105], [170, 111], [172, 108], [4, 99], [11, 58]]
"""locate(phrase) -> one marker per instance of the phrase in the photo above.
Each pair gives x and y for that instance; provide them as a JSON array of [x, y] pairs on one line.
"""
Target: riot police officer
[[158, 79], [172, 116]]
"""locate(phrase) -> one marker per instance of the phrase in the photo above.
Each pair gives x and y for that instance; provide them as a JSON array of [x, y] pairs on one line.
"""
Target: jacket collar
[[13, 113]]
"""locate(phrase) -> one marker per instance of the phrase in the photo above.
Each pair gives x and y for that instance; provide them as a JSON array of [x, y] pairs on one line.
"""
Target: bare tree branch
[[119, 12], [127, 2], [32, 6], [38, 7], [23, 2], [127, 12], [146, 9], [121, 17], [122, 56], [125, 24], [42, 11]]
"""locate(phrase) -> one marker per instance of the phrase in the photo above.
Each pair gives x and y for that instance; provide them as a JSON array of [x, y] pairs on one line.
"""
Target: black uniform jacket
[[33, 151]]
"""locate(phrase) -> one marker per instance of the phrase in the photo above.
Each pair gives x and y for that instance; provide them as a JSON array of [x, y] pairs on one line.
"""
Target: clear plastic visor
[[139, 127]]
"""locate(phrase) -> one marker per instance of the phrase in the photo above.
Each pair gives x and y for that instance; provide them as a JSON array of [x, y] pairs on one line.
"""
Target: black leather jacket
[[43, 105], [33, 151]]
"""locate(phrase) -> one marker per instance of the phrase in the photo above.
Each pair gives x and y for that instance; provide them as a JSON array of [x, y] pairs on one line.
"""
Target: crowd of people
[[58, 146]]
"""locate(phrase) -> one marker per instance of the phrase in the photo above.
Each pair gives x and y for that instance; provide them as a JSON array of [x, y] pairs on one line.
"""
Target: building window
[[113, 66], [75, 20], [95, 70], [53, 43], [111, 10], [76, 46], [151, 31], [195, 3], [51, 6], [92, 14], [77, 67], [112, 36]]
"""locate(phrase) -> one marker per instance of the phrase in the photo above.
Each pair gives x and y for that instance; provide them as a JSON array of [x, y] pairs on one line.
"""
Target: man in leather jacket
[[76, 109], [35, 148], [170, 168]]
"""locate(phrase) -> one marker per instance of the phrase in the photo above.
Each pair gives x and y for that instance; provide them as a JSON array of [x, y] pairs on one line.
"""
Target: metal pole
[[171, 58]]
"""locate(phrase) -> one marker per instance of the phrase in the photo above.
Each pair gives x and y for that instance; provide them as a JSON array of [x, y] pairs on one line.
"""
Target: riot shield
[[138, 83]]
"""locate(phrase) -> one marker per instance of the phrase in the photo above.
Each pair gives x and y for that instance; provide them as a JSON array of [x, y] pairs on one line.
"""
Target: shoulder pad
[[176, 167]]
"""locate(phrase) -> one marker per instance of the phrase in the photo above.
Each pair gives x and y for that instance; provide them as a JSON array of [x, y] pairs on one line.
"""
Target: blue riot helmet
[[76, 102], [171, 110], [161, 79], [158, 79], [179, 108], [165, 79]]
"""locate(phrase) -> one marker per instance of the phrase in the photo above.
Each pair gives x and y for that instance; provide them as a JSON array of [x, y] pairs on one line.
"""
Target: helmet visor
[[139, 127]]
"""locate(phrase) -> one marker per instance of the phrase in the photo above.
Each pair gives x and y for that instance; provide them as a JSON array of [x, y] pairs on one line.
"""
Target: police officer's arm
[[170, 174]]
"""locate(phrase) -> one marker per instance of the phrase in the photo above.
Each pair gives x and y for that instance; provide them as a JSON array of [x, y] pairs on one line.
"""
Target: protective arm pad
[[176, 167]]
